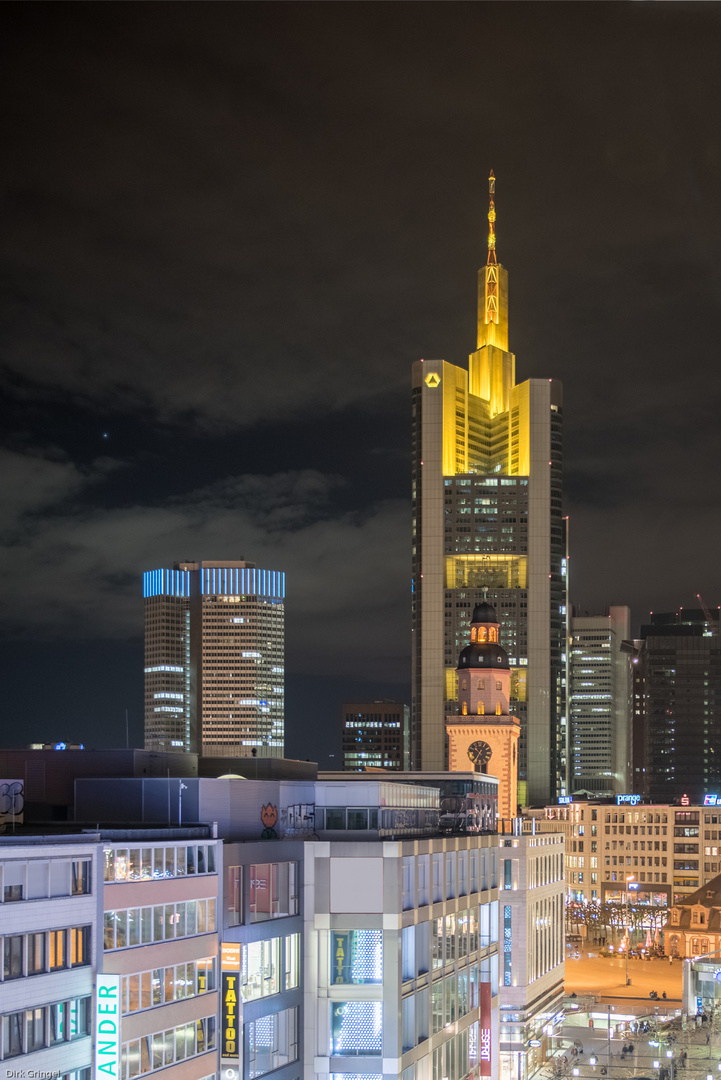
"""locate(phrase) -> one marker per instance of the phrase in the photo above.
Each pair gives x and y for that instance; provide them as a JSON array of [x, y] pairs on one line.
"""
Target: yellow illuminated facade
[[487, 515]]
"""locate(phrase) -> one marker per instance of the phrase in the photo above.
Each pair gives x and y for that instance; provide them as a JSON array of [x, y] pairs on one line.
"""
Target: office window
[[79, 945], [13, 957], [36, 954], [80, 876], [273, 892], [271, 1042], [12, 1032]]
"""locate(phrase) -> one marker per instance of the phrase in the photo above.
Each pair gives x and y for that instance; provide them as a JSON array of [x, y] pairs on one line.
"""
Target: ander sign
[[107, 1025]]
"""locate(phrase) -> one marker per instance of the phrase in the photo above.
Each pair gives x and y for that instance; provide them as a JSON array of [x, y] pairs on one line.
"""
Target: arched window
[[499, 685], [498, 709], [481, 709], [482, 633], [493, 634], [465, 708], [481, 684], [473, 633], [694, 946], [673, 945], [704, 945]]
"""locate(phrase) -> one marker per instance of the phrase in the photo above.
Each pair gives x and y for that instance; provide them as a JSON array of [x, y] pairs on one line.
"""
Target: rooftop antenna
[[491, 220]]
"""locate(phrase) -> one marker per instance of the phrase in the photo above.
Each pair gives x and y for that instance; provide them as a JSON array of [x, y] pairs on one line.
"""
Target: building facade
[[694, 925], [375, 735], [49, 935], [110, 954], [487, 520], [214, 659], [680, 676], [668, 850], [600, 696], [401, 946], [532, 908]]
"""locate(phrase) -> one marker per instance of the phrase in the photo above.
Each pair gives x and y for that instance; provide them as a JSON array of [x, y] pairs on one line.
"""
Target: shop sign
[[107, 1025]]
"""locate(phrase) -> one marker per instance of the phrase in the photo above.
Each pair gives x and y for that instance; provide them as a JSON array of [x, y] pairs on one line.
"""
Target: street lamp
[[630, 877]]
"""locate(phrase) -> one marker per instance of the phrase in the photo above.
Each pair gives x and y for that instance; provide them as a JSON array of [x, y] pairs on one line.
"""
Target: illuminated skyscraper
[[214, 659], [487, 463], [600, 703]]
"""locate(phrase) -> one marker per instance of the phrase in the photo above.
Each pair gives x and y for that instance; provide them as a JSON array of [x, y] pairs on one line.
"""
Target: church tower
[[484, 732]]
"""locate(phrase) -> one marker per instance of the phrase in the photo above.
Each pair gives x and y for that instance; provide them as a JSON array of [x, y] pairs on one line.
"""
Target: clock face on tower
[[479, 752]]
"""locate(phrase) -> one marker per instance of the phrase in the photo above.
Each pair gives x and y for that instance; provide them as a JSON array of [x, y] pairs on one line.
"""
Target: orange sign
[[230, 956]]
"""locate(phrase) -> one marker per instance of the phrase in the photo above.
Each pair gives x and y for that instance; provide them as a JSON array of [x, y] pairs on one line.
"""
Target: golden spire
[[491, 220], [492, 302]]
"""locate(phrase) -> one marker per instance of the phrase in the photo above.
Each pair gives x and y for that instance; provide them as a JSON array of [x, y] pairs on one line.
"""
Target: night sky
[[228, 231]]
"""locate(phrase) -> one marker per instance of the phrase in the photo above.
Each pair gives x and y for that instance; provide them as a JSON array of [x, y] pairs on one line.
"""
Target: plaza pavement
[[605, 978], [594, 974]]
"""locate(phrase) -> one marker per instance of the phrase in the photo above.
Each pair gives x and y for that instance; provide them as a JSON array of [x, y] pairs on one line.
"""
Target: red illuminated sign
[[484, 1036]]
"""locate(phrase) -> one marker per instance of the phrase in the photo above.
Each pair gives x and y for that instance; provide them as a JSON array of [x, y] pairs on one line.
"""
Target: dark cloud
[[228, 230]]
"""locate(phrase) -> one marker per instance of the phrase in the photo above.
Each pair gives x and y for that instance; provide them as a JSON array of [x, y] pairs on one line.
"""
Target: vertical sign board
[[484, 1049], [106, 1026], [230, 1010]]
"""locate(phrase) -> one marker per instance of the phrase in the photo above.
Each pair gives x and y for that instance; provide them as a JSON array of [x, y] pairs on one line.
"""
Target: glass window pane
[[108, 934], [190, 917], [121, 864], [12, 1030], [56, 946], [357, 957], [233, 895], [134, 864], [13, 957], [146, 920], [57, 1023], [34, 1029], [134, 926], [121, 929], [133, 993], [36, 954], [356, 1028]]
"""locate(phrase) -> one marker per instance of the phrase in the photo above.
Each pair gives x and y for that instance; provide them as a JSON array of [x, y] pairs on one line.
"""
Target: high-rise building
[[486, 494], [214, 659], [600, 703], [680, 676], [375, 735]]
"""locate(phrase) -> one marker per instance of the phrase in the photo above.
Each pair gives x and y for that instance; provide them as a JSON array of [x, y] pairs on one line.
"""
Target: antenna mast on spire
[[490, 314], [491, 220]]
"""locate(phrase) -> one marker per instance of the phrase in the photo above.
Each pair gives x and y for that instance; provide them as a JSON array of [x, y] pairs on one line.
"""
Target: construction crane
[[711, 624]]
